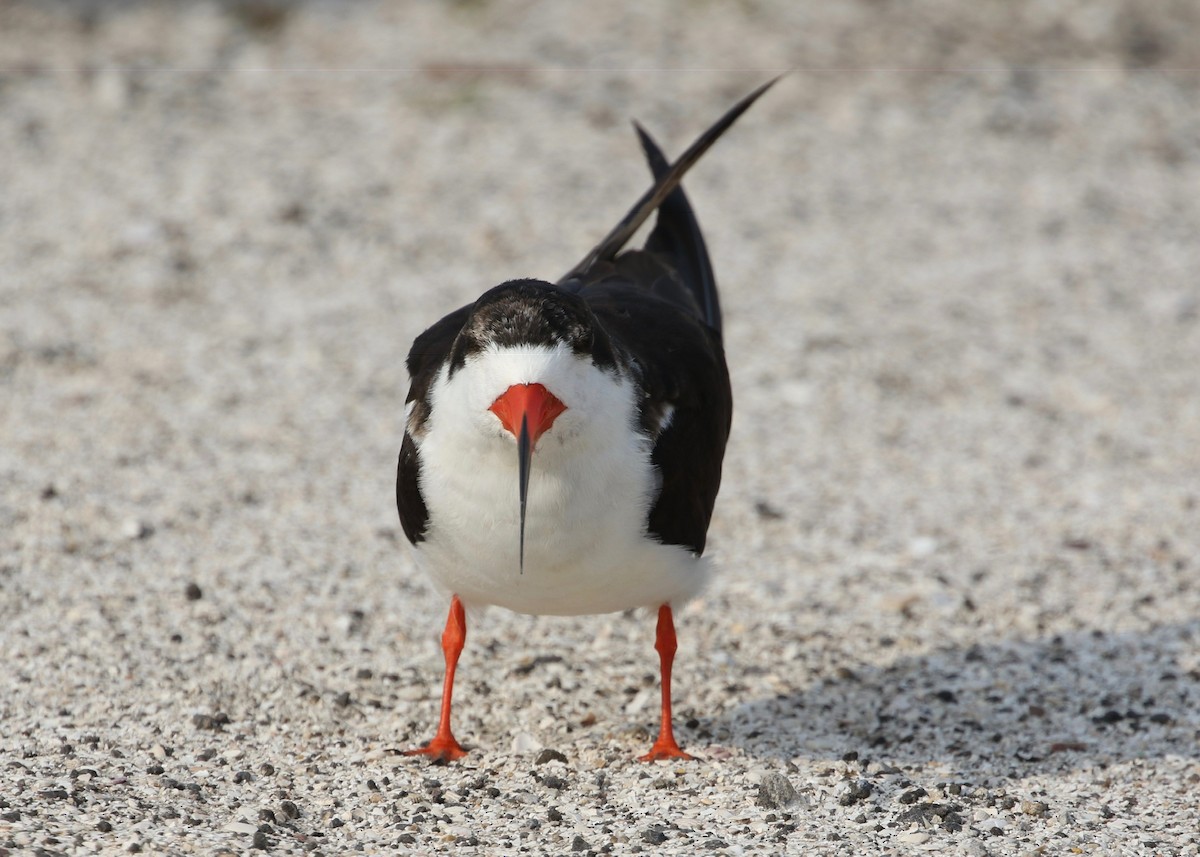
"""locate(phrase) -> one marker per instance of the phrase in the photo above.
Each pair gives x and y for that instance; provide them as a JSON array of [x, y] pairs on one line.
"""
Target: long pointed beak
[[527, 411], [524, 462]]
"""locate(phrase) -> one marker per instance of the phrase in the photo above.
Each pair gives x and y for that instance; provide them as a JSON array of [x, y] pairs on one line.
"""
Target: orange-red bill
[[527, 401], [527, 411]]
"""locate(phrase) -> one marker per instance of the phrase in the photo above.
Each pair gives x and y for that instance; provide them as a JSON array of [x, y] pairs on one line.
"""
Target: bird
[[563, 441]]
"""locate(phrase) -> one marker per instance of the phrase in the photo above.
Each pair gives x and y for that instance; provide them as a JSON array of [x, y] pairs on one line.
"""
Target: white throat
[[590, 491]]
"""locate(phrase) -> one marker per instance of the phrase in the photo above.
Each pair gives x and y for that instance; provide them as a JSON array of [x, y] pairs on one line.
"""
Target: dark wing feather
[[620, 234], [409, 502], [687, 403], [677, 235], [430, 349], [425, 358], [660, 305]]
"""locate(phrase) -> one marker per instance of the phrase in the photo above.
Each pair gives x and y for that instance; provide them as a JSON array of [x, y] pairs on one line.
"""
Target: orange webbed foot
[[665, 749], [440, 749]]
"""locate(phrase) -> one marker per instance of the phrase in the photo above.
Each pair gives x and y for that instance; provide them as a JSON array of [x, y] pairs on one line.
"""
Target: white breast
[[591, 486]]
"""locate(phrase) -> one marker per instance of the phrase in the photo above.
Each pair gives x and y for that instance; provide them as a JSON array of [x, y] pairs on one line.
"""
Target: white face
[[598, 402], [590, 490]]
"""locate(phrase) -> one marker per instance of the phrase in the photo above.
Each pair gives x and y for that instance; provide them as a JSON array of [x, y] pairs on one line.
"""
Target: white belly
[[586, 549], [586, 546]]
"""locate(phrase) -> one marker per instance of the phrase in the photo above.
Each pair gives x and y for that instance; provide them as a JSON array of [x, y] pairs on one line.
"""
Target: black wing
[[660, 304], [677, 236], [687, 403], [663, 186], [425, 359]]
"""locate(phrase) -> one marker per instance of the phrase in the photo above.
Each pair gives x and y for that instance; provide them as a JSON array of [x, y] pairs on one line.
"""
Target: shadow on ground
[[1015, 708]]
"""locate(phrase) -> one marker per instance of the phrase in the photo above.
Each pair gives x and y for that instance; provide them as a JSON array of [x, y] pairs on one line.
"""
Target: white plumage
[[591, 486]]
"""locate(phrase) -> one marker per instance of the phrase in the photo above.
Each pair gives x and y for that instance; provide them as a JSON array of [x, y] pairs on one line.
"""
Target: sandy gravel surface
[[957, 608]]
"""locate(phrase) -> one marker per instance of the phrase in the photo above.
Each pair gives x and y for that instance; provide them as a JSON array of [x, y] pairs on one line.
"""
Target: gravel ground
[[956, 609]]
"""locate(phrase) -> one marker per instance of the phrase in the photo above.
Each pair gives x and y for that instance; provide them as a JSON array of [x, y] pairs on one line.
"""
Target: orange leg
[[665, 747], [443, 747]]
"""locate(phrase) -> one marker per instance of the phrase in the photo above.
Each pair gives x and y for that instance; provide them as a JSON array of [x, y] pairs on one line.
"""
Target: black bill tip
[[524, 461]]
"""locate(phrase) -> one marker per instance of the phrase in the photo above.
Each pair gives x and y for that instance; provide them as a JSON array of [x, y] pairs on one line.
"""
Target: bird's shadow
[[1018, 706]]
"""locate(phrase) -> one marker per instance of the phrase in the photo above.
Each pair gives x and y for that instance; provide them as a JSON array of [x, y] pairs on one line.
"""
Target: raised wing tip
[[653, 198]]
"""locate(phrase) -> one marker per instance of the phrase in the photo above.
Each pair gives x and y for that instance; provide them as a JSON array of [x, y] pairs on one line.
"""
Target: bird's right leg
[[443, 746]]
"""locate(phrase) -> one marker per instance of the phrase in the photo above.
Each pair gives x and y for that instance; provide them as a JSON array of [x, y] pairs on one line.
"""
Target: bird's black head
[[531, 312]]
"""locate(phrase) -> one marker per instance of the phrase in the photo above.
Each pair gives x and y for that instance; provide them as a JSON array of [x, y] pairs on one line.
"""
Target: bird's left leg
[[665, 747]]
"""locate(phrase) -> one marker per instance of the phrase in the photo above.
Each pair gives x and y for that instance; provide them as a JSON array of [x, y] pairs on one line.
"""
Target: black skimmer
[[563, 442]]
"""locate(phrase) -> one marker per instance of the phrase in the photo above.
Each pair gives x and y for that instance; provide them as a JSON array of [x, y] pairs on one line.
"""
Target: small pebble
[[1034, 807], [134, 529], [776, 791], [210, 721], [549, 755], [654, 835], [975, 848], [855, 792]]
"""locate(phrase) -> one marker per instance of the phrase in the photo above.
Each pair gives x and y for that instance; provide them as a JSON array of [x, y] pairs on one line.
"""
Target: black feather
[[620, 234], [677, 235]]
